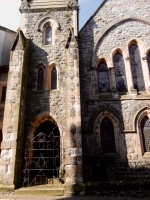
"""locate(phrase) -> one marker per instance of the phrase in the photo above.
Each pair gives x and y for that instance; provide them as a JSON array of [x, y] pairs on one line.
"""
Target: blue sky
[[10, 16]]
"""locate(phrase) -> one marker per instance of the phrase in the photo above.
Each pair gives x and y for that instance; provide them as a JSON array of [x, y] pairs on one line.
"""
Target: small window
[[40, 79], [145, 127], [0, 139], [148, 60], [48, 36], [4, 88], [136, 67], [103, 77], [121, 83], [107, 136], [54, 79]]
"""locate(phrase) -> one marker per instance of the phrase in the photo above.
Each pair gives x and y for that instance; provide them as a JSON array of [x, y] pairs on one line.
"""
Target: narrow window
[[148, 60], [145, 127], [103, 77], [136, 67], [107, 136], [4, 88], [0, 139], [48, 36], [40, 79], [121, 83], [54, 79]]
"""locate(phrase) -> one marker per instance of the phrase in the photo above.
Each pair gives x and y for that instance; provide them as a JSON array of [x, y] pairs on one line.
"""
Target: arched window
[[121, 83], [40, 79], [107, 136], [48, 38], [54, 78], [136, 67], [145, 127], [103, 77], [148, 60]]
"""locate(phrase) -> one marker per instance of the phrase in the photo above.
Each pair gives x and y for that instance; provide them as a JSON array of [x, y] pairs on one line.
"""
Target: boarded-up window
[[121, 83], [40, 79], [54, 78], [103, 77], [4, 88], [136, 66]]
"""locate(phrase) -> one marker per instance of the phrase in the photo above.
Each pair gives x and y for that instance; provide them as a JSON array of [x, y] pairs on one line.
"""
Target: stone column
[[113, 82], [128, 71], [146, 74], [73, 141]]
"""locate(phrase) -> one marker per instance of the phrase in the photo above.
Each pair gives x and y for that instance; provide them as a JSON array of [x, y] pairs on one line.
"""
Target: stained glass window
[[148, 60], [121, 83], [145, 126], [136, 67], [103, 77], [48, 35], [107, 136], [40, 79], [54, 79]]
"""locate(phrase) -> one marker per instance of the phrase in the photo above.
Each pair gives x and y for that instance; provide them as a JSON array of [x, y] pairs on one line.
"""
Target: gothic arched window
[[48, 37], [107, 136], [148, 60], [145, 127], [136, 67], [103, 77], [121, 83], [54, 78], [40, 84]]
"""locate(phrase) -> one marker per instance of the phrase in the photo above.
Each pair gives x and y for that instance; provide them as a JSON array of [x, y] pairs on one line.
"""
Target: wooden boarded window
[[107, 136], [48, 36], [54, 79], [136, 66], [103, 77], [40, 84], [145, 127], [121, 83], [3, 97]]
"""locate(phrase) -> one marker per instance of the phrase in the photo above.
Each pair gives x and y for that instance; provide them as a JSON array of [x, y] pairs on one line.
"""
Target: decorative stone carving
[[72, 86], [71, 74], [72, 113]]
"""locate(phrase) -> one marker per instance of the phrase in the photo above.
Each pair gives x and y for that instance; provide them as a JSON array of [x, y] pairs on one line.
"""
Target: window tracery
[[145, 127], [121, 83], [136, 67], [103, 77]]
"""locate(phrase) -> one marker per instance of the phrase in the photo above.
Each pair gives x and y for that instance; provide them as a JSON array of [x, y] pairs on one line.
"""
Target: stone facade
[[31, 102]]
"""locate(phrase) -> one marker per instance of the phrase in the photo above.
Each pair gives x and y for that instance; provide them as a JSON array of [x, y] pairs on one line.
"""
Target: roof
[[6, 29]]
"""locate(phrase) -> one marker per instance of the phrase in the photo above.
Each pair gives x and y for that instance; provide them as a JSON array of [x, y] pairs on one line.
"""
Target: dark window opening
[[0, 139], [136, 66], [107, 136], [103, 77], [40, 79], [145, 127], [48, 35], [4, 88], [54, 79], [148, 60], [121, 83]]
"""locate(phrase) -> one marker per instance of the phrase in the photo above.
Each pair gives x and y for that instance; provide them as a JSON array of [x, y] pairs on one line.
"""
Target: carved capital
[[111, 68], [144, 58], [127, 58]]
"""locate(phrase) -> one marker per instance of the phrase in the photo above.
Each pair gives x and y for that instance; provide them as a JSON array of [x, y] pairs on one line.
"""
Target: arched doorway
[[42, 155]]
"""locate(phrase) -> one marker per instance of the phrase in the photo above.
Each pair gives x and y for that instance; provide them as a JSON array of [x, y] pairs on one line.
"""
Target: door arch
[[42, 155]]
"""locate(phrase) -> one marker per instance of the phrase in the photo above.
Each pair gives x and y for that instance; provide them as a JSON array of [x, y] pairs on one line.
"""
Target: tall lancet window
[[103, 77], [107, 136], [136, 66], [148, 60], [48, 37], [121, 83], [54, 78], [40, 84], [145, 126]]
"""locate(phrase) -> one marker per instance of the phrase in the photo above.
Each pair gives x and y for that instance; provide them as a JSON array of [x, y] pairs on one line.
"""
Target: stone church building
[[77, 108]]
